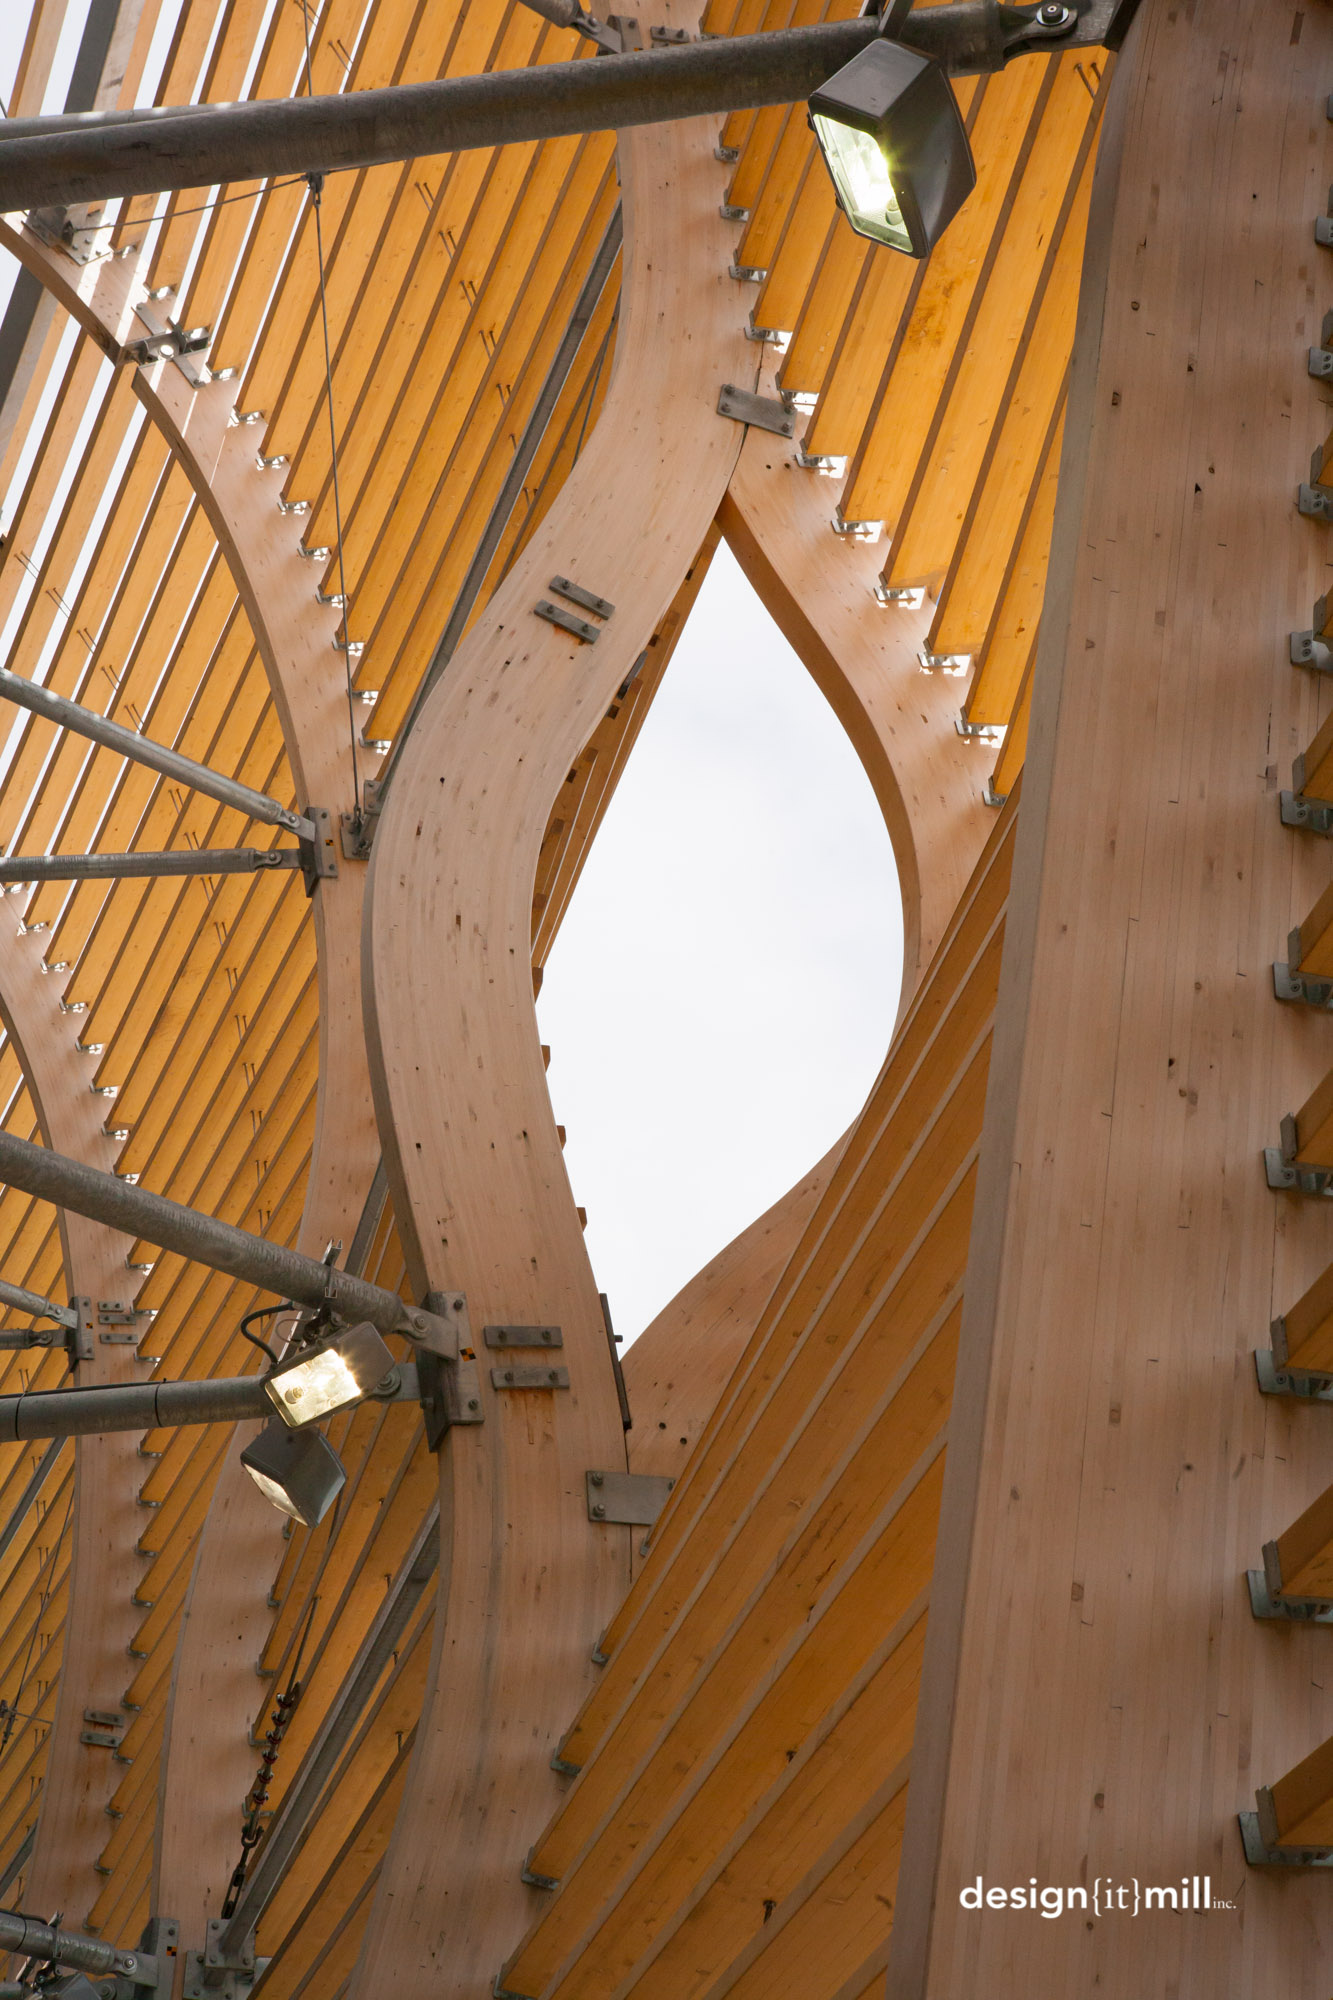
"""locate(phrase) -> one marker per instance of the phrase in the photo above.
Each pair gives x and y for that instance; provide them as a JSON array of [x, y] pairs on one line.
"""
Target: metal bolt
[[596, 1478], [552, 1376], [599, 1513], [472, 1403], [1053, 15], [419, 1322], [509, 1374], [458, 1305]]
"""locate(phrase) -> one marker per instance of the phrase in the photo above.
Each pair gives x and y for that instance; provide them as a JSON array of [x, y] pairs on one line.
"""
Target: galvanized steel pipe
[[51, 1176], [157, 756], [131, 1406]]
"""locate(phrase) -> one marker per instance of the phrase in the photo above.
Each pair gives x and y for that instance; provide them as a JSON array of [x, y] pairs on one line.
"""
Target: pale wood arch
[[105, 1566], [471, 1146], [207, 1757]]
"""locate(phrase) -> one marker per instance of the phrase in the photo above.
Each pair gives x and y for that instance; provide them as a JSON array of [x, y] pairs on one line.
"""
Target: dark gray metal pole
[[129, 743], [131, 1406], [270, 138], [33, 1303], [174, 861], [268, 1266], [31, 1939]]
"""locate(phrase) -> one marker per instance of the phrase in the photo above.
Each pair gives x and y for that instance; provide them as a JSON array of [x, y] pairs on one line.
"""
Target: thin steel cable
[[316, 183]]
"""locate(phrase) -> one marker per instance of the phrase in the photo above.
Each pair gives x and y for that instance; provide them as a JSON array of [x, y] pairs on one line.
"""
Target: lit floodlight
[[299, 1471], [893, 141], [329, 1374]]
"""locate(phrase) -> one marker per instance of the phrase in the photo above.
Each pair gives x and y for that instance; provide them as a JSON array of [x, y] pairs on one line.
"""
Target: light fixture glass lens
[[329, 1376], [279, 1495], [299, 1472], [861, 171]]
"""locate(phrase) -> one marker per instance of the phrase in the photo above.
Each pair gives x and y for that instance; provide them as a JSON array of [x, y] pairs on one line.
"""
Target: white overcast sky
[[723, 988]]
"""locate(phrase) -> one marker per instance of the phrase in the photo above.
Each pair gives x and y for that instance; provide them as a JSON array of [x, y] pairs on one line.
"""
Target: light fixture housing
[[299, 1471], [328, 1375], [895, 146]]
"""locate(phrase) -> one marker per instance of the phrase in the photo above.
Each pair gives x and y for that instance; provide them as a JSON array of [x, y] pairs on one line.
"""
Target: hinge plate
[[319, 857], [627, 1499], [766, 413], [523, 1336], [554, 615], [520, 1376]]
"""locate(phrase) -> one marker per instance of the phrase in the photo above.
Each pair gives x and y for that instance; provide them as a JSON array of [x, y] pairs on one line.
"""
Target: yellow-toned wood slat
[[711, 1592]]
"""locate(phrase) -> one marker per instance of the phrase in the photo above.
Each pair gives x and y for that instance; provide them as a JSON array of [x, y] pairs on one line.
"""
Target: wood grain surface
[[1098, 1701]]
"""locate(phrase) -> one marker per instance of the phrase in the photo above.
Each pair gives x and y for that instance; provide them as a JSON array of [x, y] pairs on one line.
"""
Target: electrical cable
[[264, 1312], [315, 181]]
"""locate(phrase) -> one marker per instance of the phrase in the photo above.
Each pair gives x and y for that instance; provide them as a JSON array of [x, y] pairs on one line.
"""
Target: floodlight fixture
[[299, 1471], [894, 143], [323, 1376]]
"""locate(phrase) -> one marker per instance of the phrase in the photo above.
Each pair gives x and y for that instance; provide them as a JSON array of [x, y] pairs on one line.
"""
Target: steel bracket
[[626, 1499], [748, 274], [170, 343], [1320, 363], [1307, 651], [519, 1376], [211, 1976], [1266, 1853], [319, 856], [1310, 987], [81, 1333], [588, 600], [765, 413], [1323, 231], [1295, 1610], [1315, 502], [1277, 1378], [359, 828], [1309, 815], [523, 1336], [448, 1383], [567, 622], [1285, 1173]]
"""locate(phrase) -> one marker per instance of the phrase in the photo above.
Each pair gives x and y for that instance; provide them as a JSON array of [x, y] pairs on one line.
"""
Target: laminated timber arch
[[105, 1567], [942, 390], [470, 1144], [226, 1616]]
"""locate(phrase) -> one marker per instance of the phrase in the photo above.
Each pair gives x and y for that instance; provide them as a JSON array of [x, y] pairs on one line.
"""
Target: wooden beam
[[627, 524], [1096, 1527]]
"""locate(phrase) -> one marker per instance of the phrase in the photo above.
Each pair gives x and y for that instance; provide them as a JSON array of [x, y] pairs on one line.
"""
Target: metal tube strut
[[53, 1177], [131, 1406], [180, 148], [33, 1303], [174, 861], [129, 743]]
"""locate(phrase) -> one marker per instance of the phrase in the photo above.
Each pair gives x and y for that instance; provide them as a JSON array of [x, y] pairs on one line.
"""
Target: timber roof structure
[[535, 1752]]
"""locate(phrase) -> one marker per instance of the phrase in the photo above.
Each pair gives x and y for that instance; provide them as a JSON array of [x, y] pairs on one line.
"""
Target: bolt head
[[599, 1513], [596, 1478], [473, 1403]]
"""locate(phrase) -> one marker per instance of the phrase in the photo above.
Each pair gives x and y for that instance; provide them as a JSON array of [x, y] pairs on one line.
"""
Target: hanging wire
[[316, 186], [249, 194]]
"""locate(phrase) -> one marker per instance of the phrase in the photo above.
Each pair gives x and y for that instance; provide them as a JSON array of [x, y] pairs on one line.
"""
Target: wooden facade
[[970, 1454]]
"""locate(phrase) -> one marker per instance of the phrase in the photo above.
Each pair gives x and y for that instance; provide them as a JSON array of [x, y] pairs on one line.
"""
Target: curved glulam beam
[[208, 1759], [105, 1566], [927, 779], [470, 1142]]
